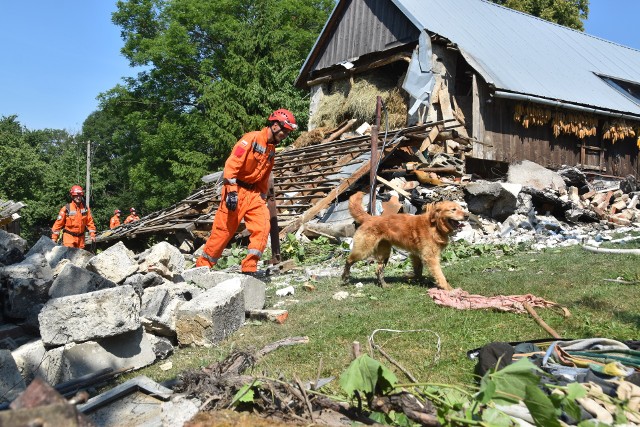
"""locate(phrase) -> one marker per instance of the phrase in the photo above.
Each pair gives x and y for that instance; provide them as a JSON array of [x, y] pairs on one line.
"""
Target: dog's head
[[447, 216]]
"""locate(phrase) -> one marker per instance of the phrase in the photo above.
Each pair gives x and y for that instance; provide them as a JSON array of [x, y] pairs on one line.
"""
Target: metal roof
[[517, 53]]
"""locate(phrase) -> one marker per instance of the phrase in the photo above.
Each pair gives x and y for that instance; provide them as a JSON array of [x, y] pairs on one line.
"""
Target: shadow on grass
[[423, 282]]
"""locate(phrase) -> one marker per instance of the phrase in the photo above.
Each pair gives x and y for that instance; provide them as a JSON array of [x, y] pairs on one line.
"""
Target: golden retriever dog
[[424, 236]]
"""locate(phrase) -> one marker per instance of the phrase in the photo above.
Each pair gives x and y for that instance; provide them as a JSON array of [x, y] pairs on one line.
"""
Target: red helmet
[[76, 190], [132, 210], [285, 117], [117, 211]]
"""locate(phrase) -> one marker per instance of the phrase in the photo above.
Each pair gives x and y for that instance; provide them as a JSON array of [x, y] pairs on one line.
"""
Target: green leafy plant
[[232, 256], [291, 248]]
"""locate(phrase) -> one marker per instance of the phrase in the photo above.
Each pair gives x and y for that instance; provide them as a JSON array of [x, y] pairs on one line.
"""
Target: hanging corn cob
[[529, 115], [617, 130], [580, 125]]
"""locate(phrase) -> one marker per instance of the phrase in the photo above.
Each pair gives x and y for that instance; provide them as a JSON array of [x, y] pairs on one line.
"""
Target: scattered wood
[[539, 320]]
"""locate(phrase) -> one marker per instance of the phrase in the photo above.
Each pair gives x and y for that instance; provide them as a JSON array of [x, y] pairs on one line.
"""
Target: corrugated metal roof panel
[[520, 53]]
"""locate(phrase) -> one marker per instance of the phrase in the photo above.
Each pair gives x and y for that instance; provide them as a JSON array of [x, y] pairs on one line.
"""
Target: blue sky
[[57, 56]]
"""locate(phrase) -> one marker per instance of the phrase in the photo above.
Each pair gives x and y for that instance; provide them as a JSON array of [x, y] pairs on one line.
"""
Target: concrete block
[[160, 304], [254, 290], [74, 280], [211, 316], [90, 316], [11, 383], [129, 350], [25, 284], [34, 360], [116, 263]]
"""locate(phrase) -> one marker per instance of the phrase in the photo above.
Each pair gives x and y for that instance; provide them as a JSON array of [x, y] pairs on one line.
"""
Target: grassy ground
[[571, 277]]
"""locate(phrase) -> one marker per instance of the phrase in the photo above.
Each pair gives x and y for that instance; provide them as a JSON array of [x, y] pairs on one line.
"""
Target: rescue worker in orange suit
[[133, 216], [73, 220], [115, 219], [246, 178]]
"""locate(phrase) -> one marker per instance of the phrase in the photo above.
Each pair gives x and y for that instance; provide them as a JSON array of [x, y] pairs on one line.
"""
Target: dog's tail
[[355, 208]]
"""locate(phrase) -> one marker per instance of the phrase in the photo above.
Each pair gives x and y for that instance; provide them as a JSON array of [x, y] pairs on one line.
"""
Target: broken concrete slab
[[56, 253], [140, 402], [254, 290], [89, 316], [12, 248], [25, 284], [74, 280], [11, 383], [115, 264], [277, 316], [160, 304], [34, 360], [163, 259], [492, 199], [530, 174], [211, 316], [131, 350]]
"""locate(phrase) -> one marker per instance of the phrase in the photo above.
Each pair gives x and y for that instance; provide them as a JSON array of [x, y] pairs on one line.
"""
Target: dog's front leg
[[436, 271]]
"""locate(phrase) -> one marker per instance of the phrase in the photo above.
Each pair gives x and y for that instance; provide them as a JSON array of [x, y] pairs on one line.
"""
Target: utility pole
[[88, 185]]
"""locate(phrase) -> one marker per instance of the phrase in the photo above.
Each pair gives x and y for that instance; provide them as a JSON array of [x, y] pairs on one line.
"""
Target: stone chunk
[[211, 316], [90, 316], [160, 305], [11, 383], [74, 280], [56, 253], [25, 284], [163, 259], [12, 248], [129, 350], [116, 263], [254, 290]]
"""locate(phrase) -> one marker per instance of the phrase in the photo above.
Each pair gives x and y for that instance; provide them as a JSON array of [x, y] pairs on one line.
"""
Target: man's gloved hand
[[232, 200]]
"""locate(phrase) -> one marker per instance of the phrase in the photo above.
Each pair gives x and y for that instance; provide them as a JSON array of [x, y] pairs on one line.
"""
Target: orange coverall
[[131, 218], [246, 171], [73, 220], [114, 222]]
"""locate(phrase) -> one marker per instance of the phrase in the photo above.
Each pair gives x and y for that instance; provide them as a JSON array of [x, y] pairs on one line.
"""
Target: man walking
[[246, 177], [73, 220]]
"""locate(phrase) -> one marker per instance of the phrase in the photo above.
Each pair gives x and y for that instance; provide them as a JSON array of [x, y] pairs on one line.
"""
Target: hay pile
[[356, 99]]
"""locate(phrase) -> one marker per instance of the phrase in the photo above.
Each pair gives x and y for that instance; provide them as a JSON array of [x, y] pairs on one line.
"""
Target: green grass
[[571, 277]]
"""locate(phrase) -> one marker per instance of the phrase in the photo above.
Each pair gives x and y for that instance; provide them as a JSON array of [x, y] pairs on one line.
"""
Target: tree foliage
[[212, 72], [570, 13]]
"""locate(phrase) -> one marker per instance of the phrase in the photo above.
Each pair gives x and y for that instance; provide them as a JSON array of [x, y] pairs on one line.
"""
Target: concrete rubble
[[68, 314], [84, 314]]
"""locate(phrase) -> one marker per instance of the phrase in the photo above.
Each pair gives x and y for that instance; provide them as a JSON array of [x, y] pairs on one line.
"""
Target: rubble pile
[[68, 315]]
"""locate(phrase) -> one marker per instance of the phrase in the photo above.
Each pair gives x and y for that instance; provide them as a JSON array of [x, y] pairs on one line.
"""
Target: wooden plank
[[329, 198]]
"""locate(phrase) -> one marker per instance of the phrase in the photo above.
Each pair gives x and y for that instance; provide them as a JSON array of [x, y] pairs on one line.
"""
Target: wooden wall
[[512, 142]]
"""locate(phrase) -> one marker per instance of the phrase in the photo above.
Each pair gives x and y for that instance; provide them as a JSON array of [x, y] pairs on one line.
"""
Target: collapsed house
[[10, 215], [524, 88]]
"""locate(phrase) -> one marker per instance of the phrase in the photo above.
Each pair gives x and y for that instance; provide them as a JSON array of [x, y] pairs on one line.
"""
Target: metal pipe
[[561, 104]]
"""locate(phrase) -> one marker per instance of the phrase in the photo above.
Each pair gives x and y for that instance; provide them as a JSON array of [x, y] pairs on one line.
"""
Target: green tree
[[38, 168], [212, 71], [570, 13]]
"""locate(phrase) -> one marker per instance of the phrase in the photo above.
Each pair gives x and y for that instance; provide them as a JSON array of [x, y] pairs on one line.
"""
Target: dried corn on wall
[[555, 138]]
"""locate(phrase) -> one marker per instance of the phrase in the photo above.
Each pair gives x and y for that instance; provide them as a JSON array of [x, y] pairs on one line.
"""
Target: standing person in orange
[[133, 216], [115, 219], [246, 178], [73, 220]]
